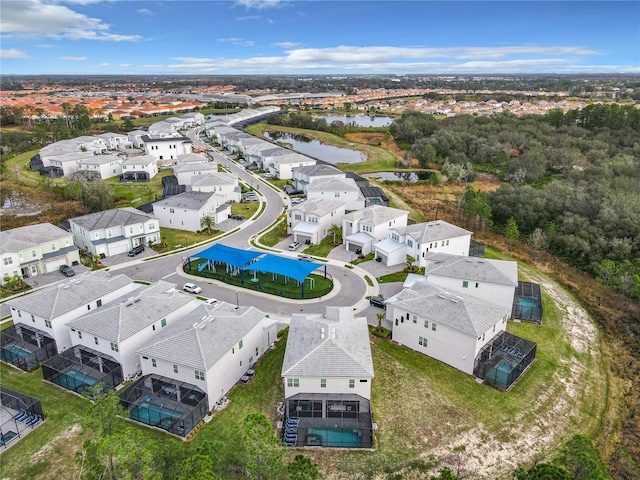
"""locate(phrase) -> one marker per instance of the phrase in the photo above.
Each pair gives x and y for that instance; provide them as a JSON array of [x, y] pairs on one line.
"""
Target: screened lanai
[[25, 347], [527, 302], [80, 368], [19, 414], [165, 403]]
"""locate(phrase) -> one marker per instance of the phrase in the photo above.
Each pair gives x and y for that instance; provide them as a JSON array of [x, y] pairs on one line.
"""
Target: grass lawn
[[173, 238], [323, 248], [246, 209], [393, 277], [18, 169], [279, 183], [276, 235], [131, 194]]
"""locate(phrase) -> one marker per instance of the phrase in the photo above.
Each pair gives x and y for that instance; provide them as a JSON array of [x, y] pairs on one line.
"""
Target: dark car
[[378, 301], [136, 250], [67, 270]]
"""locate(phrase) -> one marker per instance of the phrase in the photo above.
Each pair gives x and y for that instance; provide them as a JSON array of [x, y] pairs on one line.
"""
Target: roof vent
[[136, 300], [453, 300], [128, 304], [195, 325], [203, 325], [66, 286], [441, 295], [203, 317]]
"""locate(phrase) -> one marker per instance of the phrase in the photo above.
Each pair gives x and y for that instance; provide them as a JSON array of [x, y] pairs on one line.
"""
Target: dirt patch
[[377, 140]]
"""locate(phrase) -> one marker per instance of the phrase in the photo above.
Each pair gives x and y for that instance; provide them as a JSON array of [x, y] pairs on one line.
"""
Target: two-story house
[[166, 148], [185, 210], [223, 184], [362, 229], [282, 166], [303, 176], [342, 189], [310, 221], [139, 168], [106, 166]]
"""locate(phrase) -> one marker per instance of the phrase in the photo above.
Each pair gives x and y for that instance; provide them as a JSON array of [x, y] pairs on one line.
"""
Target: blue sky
[[317, 37]]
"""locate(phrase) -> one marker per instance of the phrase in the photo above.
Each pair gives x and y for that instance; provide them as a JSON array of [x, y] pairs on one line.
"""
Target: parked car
[[191, 288], [296, 192], [296, 201], [378, 301], [211, 301], [67, 270], [136, 250], [294, 245], [305, 258]]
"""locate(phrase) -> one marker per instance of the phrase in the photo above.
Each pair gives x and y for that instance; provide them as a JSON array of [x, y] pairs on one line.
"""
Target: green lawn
[[276, 235], [246, 209], [173, 238], [323, 248], [393, 277], [18, 169], [132, 194]]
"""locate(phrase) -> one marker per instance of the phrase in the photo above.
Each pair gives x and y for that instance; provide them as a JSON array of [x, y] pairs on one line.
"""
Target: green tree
[[444, 474], [197, 467], [542, 471], [335, 230], [511, 232], [380, 317], [207, 222], [410, 261], [264, 451], [582, 460], [127, 125], [96, 196], [301, 468], [606, 272]]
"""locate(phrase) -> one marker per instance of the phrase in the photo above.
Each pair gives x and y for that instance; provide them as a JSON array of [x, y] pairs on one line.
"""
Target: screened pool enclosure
[[26, 347], [19, 414], [165, 403], [527, 302]]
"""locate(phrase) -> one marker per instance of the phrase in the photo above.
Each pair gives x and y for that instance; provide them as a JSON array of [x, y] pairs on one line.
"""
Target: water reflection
[[400, 176], [316, 149], [358, 120]]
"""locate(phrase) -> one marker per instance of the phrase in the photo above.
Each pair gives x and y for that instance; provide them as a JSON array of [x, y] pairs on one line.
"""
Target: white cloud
[[12, 53], [286, 44], [258, 4], [44, 45], [73, 59], [248, 17], [145, 11], [124, 65], [37, 18], [237, 41], [105, 64]]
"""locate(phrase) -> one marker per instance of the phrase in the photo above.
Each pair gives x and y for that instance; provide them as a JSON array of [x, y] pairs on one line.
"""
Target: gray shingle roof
[[332, 346], [139, 160], [204, 336], [51, 302], [29, 236], [115, 217], [477, 269], [318, 206], [214, 178], [186, 200], [130, 315], [432, 231], [464, 313], [333, 185], [375, 214], [319, 169]]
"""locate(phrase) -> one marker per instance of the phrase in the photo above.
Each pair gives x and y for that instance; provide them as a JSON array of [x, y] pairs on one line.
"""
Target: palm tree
[[380, 318], [336, 230], [410, 261], [207, 222]]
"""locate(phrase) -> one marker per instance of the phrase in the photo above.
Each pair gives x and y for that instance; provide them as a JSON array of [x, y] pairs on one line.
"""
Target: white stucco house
[[186, 172], [129, 323], [223, 184], [185, 210], [116, 141], [48, 310], [115, 231], [310, 221], [68, 163], [342, 189], [327, 374], [303, 176], [35, 250], [449, 327], [282, 166], [166, 149], [106, 166], [211, 347], [135, 137], [362, 229], [420, 239], [494, 281], [143, 167]]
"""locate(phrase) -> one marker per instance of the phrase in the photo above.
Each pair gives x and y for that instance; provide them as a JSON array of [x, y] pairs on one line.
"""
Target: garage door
[[117, 248], [354, 247], [52, 265]]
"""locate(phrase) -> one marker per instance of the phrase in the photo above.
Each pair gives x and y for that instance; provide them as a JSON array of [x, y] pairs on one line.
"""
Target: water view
[[359, 120], [316, 149], [400, 176]]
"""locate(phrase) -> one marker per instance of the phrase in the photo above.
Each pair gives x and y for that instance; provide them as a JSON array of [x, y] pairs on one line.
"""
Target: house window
[[293, 382], [240, 362], [154, 363], [88, 307], [256, 351], [171, 210], [79, 332], [33, 319], [323, 383], [426, 324], [240, 345], [95, 340], [8, 260], [47, 323], [19, 313], [433, 327], [98, 303], [447, 242], [33, 253], [199, 375], [352, 383], [476, 284], [465, 284], [114, 347], [409, 243], [422, 341], [415, 319], [175, 368], [163, 322], [442, 243]]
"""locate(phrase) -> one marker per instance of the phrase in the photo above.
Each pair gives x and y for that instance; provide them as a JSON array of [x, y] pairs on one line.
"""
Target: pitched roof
[[205, 335], [116, 217], [335, 345], [140, 160], [29, 236], [501, 272], [432, 231], [51, 302], [132, 314], [320, 169], [186, 200], [214, 178], [333, 185], [375, 214], [464, 313], [317, 206]]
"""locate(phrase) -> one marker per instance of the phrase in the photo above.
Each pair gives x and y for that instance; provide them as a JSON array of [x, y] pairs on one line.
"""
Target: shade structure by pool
[[285, 266], [232, 256]]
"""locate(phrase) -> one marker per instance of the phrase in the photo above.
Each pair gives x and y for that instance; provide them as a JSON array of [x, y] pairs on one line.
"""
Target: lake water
[[359, 120], [400, 176], [316, 149]]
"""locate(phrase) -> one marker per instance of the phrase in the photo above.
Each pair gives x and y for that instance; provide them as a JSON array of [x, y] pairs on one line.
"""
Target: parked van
[[136, 250]]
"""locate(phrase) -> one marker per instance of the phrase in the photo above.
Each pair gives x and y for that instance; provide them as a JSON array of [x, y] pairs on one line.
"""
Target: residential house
[[135, 137], [115, 231], [282, 166], [106, 166], [140, 168], [188, 171], [223, 184], [421, 239], [185, 210], [166, 149], [327, 374], [303, 176], [129, 323], [342, 189], [116, 141], [311, 220], [362, 229], [48, 310], [35, 250], [449, 327]]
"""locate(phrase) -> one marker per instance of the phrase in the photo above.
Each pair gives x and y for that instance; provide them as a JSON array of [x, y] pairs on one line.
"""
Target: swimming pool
[[154, 415], [12, 353], [334, 437], [74, 380], [527, 302]]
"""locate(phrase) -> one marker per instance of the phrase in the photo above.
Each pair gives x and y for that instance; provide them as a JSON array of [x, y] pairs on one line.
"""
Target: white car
[[191, 288], [211, 301], [294, 245]]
